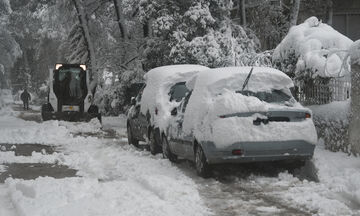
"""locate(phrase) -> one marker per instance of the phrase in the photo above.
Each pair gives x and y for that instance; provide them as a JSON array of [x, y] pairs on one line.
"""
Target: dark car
[[150, 110], [139, 127]]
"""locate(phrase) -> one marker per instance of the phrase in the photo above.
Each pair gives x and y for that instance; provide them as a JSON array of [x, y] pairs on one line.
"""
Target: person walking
[[25, 97]]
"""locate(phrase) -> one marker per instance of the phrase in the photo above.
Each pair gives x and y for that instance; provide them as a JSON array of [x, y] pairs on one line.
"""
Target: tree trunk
[[330, 12], [83, 21], [294, 12], [243, 12], [354, 127], [120, 20]]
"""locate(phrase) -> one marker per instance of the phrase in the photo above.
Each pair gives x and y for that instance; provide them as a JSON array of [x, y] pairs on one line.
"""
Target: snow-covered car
[[150, 111], [239, 115]]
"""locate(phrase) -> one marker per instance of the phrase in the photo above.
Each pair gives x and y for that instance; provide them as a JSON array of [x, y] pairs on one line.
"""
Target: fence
[[324, 92]]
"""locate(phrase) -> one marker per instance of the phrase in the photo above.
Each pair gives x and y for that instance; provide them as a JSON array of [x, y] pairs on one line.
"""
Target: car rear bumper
[[70, 116], [259, 151]]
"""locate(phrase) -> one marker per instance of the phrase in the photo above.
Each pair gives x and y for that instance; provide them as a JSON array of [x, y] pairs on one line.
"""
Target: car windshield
[[275, 96], [73, 78], [178, 91]]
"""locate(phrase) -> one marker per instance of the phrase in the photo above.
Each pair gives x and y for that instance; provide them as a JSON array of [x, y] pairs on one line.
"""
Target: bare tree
[[120, 18], [84, 24]]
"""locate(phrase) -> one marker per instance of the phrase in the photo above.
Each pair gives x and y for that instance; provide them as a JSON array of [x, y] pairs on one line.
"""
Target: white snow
[[316, 46], [214, 95], [84, 196], [337, 193], [116, 178], [158, 84]]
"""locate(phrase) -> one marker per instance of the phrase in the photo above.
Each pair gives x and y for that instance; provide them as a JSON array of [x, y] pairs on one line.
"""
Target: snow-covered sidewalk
[[114, 178]]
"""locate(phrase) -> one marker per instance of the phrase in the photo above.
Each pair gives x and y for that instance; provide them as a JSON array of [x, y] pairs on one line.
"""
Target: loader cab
[[70, 86]]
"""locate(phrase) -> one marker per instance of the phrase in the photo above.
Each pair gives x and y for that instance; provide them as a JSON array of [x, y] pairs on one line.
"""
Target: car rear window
[[275, 96]]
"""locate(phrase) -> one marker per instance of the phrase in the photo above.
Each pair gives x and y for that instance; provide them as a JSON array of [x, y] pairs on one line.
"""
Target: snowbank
[[316, 47], [85, 196], [158, 84], [215, 94], [117, 179]]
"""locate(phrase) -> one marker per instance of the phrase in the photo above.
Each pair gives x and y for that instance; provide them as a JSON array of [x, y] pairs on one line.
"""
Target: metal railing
[[323, 93]]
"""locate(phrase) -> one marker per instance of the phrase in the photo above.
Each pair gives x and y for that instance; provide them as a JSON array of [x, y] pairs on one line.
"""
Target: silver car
[[239, 115]]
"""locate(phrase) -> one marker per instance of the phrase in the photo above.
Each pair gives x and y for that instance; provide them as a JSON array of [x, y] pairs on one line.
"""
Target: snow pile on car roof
[[316, 46], [158, 83], [214, 94]]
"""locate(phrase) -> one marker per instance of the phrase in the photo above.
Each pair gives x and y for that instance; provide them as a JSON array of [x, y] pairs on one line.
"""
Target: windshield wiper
[[247, 79]]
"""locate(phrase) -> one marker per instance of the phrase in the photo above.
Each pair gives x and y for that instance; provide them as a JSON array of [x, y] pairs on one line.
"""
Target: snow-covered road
[[114, 178]]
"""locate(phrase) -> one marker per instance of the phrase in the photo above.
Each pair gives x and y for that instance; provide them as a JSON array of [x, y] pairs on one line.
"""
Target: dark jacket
[[25, 96]]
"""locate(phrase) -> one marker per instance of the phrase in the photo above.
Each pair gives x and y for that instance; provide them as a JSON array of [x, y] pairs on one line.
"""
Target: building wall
[[346, 18]]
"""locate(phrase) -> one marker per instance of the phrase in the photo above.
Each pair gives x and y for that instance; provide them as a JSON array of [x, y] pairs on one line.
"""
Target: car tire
[[203, 169], [166, 150], [153, 146], [131, 139], [94, 110], [45, 108]]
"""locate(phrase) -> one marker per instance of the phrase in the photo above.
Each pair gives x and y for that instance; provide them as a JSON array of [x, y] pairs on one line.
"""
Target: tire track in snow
[[230, 195]]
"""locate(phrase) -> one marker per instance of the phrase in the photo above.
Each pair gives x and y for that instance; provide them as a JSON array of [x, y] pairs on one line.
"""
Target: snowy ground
[[114, 178]]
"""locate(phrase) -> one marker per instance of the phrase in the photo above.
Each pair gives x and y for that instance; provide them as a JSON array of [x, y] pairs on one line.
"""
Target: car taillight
[[237, 152], [156, 110], [307, 115]]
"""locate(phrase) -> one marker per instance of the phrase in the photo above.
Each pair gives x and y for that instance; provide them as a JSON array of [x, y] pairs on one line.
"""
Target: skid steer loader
[[70, 97]]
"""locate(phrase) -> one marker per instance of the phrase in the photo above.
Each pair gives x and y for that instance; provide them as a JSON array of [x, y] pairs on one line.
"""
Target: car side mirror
[[133, 101], [174, 112]]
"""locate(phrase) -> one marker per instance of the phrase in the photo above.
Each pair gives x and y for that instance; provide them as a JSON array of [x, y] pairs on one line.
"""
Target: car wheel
[[203, 169], [45, 108], [131, 139], [154, 148], [166, 150]]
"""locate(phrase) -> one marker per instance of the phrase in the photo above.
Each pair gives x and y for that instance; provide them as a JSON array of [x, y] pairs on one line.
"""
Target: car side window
[[139, 96]]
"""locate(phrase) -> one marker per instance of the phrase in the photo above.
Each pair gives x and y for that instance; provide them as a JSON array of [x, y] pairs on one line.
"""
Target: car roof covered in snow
[[169, 71], [158, 83], [262, 79]]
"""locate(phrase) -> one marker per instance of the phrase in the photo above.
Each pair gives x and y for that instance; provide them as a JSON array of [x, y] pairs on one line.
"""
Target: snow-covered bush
[[332, 125], [111, 99], [312, 49]]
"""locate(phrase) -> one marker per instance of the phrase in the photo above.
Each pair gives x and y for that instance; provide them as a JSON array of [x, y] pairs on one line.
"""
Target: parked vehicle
[[239, 115], [150, 110]]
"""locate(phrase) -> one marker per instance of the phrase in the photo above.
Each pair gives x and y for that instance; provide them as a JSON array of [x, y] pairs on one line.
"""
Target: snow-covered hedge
[[312, 49], [332, 124]]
